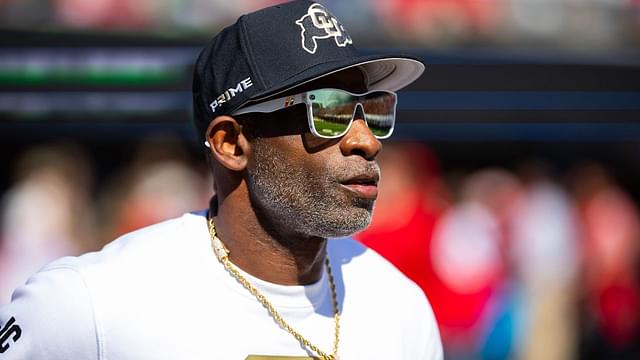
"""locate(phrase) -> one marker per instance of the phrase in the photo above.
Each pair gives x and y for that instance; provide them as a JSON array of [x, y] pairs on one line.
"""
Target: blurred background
[[510, 190]]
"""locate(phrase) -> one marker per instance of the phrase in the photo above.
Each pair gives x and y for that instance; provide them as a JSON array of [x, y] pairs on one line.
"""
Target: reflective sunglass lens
[[333, 112], [379, 111], [380, 125], [329, 128]]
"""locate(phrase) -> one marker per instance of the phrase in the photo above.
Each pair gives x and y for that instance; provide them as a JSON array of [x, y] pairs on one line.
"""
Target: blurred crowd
[[517, 263], [571, 23]]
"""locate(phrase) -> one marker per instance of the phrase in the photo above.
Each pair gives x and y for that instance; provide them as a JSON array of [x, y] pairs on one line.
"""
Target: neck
[[271, 255]]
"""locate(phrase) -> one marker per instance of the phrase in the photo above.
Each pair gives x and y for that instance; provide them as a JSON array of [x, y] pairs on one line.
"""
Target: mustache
[[369, 170]]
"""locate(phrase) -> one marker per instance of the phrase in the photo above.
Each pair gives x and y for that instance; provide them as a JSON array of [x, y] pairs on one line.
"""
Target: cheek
[[293, 158]]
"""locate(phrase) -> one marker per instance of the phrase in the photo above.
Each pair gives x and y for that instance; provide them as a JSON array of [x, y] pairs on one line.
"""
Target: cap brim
[[383, 72], [391, 73]]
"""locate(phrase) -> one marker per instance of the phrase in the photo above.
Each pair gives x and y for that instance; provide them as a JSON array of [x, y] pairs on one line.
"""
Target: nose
[[359, 140]]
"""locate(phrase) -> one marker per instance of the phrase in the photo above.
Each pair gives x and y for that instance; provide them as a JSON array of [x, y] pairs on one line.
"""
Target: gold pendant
[[271, 357]]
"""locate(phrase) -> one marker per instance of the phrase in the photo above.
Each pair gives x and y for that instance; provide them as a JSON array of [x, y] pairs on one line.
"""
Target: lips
[[364, 186]]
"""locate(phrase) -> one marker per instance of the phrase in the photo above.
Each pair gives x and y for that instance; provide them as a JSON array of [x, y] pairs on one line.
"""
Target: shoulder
[[161, 237], [51, 311], [69, 301], [147, 249]]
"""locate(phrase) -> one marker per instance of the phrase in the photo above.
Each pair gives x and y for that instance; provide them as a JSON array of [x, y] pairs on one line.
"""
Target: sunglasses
[[330, 112]]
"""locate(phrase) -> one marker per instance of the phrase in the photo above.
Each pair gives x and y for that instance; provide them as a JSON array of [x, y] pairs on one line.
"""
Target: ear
[[227, 143]]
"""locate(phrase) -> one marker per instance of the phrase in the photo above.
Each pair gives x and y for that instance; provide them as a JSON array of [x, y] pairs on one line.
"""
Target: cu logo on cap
[[319, 23]]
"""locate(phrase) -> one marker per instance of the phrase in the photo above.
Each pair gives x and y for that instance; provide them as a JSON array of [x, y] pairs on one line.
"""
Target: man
[[291, 117]]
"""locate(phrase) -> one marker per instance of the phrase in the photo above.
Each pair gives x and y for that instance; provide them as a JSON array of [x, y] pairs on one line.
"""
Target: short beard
[[303, 203]]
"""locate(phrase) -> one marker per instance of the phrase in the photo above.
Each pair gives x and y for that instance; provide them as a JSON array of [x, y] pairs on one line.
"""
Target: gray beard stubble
[[304, 204]]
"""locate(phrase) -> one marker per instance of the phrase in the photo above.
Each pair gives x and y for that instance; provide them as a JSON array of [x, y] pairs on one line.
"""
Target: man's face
[[308, 185]]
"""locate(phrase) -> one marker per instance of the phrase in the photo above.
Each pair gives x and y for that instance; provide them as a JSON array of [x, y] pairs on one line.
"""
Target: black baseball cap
[[280, 47]]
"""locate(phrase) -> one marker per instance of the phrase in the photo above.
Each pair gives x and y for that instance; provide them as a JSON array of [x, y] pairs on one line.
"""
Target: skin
[[279, 187]]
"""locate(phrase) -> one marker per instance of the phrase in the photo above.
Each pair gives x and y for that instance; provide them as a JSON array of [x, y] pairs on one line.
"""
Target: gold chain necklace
[[222, 253]]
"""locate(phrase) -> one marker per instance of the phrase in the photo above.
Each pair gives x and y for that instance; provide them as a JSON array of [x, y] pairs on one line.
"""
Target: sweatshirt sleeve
[[50, 317]]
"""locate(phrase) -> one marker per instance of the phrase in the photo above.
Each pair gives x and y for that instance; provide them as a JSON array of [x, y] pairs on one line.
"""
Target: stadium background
[[510, 190]]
